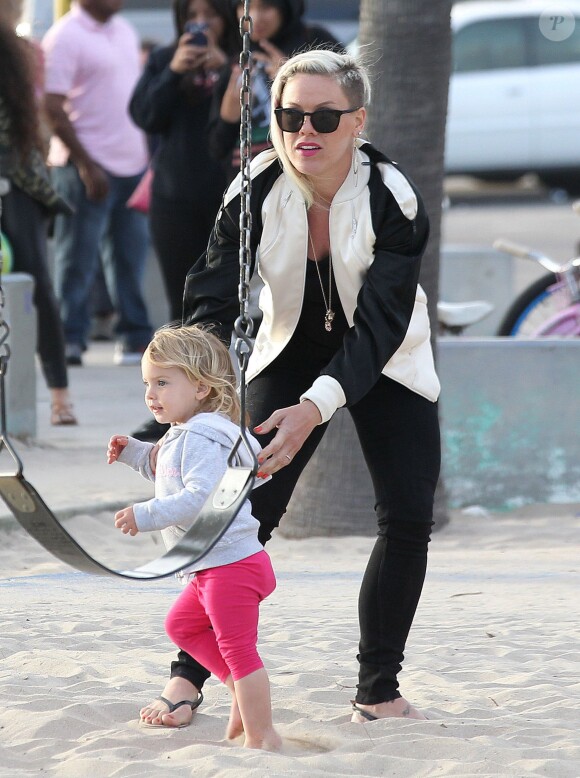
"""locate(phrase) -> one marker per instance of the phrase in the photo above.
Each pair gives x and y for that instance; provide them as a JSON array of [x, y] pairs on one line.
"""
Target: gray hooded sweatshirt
[[191, 460]]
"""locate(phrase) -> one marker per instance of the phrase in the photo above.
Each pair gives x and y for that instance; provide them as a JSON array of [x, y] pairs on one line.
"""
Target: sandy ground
[[492, 659]]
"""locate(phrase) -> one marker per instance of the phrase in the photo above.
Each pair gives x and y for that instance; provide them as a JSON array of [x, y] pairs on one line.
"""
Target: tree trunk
[[406, 45]]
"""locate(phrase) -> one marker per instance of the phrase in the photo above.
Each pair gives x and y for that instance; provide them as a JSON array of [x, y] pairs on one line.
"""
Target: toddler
[[190, 384]]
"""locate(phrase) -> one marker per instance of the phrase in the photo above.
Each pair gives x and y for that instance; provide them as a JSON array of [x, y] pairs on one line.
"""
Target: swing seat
[[218, 512], [225, 501]]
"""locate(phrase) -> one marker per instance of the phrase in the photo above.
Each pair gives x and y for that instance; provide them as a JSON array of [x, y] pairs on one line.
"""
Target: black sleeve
[[157, 94], [211, 287], [386, 299]]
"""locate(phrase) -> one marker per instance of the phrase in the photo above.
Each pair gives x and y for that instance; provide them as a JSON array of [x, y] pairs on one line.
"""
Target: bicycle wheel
[[535, 305], [565, 324]]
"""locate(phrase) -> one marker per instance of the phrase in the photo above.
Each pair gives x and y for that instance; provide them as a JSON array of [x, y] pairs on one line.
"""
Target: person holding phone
[[172, 102]]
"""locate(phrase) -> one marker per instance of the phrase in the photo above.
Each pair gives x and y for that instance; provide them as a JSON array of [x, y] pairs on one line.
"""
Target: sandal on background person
[[61, 408], [62, 414]]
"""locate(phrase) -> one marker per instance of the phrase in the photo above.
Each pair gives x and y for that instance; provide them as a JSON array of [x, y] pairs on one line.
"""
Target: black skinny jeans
[[399, 435], [180, 232], [25, 222]]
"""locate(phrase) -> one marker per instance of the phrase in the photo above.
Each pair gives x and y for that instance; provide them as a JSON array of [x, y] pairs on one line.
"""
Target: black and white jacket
[[378, 232]]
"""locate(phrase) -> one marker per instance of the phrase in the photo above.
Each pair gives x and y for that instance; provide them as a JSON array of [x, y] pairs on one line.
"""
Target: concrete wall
[[510, 420], [20, 380], [477, 273]]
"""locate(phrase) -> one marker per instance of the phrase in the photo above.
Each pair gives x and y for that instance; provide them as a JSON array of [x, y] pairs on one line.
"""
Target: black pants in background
[[25, 222], [399, 435], [180, 233]]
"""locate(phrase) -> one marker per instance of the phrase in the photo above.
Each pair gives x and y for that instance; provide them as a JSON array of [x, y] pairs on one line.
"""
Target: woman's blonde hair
[[349, 74], [202, 357]]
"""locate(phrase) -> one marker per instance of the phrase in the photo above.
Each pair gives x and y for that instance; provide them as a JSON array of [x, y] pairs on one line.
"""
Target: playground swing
[[228, 496]]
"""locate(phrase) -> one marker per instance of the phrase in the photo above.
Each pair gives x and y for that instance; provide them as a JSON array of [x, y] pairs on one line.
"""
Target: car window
[[490, 45], [554, 52]]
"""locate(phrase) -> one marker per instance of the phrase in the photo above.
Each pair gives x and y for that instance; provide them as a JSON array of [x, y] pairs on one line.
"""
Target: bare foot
[[176, 689], [235, 727], [270, 741], [398, 708]]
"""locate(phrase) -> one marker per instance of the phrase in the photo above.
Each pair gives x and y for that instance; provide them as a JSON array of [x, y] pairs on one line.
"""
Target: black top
[[176, 110], [311, 341]]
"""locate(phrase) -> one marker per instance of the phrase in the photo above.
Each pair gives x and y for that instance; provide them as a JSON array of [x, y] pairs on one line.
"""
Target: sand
[[493, 660]]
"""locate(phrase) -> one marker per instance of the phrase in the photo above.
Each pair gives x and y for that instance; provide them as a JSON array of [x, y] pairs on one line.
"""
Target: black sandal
[[365, 714], [173, 706]]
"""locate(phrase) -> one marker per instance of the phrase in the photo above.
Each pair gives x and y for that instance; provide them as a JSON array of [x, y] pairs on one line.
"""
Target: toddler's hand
[[125, 521], [116, 445]]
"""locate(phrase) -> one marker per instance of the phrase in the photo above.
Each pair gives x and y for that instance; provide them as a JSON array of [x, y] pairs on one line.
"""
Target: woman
[[278, 31], [339, 241], [26, 209], [172, 102]]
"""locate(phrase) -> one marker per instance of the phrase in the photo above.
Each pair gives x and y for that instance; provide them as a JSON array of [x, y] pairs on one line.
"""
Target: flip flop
[[365, 714], [173, 706]]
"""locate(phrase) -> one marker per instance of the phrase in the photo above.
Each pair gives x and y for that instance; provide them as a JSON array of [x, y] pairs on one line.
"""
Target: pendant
[[328, 317]]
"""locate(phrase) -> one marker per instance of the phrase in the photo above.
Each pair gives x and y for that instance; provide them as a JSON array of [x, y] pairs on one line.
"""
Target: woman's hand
[[230, 110], [116, 445], [271, 56], [294, 424], [125, 521], [188, 57], [95, 180], [215, 58]]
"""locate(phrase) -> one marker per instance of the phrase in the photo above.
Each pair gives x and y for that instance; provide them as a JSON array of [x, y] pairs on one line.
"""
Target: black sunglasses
[[323, 120]]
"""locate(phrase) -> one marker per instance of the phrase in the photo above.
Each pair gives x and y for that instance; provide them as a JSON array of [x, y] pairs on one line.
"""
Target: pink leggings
[[215, 619]]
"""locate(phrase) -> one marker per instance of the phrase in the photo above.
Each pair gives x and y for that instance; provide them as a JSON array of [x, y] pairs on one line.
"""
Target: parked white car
[[514, 93], [514, 99]]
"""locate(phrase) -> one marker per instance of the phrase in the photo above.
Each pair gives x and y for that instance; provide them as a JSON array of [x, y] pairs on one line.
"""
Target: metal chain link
[[244, 325], [4, 328]]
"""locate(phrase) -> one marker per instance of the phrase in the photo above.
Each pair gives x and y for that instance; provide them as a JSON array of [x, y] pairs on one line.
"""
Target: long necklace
[[329, 315]]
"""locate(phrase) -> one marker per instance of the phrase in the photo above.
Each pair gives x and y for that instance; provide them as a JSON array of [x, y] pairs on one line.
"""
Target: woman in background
[[31, 201], [172, 101]]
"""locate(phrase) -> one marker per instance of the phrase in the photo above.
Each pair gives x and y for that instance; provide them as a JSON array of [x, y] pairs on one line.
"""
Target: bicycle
[[550, 306]]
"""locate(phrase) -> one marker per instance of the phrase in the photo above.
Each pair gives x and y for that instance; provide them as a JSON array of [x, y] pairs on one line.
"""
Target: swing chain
[[4, 328], [244, 325]]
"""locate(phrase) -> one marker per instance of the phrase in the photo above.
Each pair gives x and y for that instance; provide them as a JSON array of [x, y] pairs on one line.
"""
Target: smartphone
[[197, 32]]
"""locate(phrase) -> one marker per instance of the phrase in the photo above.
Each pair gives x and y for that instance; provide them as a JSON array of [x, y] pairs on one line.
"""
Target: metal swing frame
[[228, 496]]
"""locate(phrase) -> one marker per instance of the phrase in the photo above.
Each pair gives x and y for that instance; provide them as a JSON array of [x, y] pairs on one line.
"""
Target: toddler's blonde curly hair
[[203, 357]]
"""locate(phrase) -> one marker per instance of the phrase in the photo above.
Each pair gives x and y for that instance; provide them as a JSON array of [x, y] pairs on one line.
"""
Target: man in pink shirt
[[98, 156]]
